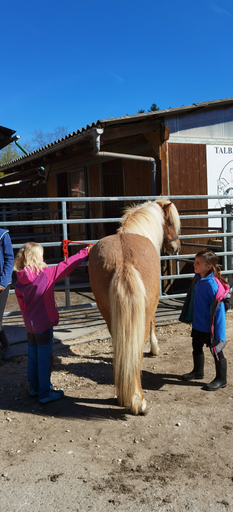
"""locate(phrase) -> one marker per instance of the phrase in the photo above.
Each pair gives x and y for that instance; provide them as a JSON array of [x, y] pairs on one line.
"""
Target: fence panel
[[30, 219]]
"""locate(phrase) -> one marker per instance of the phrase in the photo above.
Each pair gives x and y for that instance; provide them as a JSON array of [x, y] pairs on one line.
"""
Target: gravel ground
[[85, 453]]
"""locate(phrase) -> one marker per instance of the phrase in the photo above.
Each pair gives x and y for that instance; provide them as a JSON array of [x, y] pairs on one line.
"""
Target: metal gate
[[34, 219]]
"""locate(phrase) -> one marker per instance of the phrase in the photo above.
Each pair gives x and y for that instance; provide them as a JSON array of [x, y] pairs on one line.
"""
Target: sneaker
[[33, 392], [53, 395]]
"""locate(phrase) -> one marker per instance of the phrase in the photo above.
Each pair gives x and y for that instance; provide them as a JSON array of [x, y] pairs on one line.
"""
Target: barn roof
[[114, 127]]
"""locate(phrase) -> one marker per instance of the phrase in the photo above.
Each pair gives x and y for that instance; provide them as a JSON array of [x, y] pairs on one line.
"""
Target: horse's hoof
[[139, 407], [151, 354], [154, 352], [143, 408]]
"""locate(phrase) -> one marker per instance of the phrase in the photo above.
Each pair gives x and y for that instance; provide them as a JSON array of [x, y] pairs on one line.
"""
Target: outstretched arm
[[55, 273]]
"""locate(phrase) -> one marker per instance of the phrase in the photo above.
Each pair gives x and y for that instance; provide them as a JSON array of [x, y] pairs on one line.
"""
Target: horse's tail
[[127, 308]]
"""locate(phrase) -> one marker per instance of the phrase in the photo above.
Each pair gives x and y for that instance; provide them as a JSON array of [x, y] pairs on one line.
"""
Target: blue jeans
[[40, 348]]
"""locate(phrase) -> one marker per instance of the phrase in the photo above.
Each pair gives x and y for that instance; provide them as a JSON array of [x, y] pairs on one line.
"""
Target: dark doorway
[[113, 186]]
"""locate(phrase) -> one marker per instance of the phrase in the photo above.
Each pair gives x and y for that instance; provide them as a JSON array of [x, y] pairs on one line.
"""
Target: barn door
[[187, 176]]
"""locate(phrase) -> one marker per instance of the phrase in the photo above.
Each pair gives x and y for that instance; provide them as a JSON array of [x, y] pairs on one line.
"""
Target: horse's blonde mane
[[173, 215], [147, 219]]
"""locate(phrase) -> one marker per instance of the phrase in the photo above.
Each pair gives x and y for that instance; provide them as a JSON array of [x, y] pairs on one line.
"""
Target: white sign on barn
[[219, 177]]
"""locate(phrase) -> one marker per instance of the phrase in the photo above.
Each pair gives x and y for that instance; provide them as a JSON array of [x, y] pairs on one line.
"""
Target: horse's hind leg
[[154, 350], [138, 404]]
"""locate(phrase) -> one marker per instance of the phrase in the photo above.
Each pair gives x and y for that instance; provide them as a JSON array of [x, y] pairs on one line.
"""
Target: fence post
[[229, 209], [65, 237], [224, 239]]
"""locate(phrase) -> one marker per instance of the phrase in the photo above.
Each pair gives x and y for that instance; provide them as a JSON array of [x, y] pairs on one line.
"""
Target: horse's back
[[120, 251], [103, 259]]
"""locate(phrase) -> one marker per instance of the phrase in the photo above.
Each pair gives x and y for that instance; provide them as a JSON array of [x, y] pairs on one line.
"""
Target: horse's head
[[157, 220], [171, 228]]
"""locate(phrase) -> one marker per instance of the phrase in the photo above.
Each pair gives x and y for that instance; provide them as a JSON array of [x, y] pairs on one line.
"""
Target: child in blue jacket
[[6, 269], [205, 307]]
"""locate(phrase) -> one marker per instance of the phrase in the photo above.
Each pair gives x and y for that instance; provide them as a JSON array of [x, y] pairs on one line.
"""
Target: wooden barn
[[102, 160]]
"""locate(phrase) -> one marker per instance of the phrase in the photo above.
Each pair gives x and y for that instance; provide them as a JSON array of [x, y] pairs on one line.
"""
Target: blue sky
[[70, 63]]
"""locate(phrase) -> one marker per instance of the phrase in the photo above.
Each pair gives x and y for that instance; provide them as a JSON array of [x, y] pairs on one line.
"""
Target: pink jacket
[[35, 292]]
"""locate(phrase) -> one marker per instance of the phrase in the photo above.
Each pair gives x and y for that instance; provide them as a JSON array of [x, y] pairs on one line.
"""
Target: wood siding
[[187, 169], [138, 178], [185, 173]]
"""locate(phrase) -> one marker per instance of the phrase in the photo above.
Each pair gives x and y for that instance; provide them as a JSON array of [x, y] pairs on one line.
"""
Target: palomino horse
[[124, 272]]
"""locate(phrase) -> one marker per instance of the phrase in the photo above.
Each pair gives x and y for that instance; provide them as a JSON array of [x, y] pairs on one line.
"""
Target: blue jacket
[[205, 308], [6, 258], [205, 290]]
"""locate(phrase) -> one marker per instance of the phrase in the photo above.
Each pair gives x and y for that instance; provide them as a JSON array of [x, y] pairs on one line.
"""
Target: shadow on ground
[[15, 397]]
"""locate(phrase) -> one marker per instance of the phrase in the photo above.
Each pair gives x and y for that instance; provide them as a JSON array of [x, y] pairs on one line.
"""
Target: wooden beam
[[61, 152], [164, 170], [47, 171], [155, 141], [164, 132], [128, 129]]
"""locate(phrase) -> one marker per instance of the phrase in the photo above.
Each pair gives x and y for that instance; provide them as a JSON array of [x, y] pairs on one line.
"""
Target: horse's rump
[[117, 252]]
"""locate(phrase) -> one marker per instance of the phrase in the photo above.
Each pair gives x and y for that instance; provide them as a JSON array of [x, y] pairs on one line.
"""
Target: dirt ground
[[84, 453]]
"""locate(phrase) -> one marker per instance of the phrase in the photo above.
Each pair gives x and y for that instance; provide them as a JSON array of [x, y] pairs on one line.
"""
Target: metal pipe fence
[[171, 266]]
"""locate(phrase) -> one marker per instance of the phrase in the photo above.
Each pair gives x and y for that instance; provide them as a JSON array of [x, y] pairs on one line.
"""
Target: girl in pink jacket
[[34, 290]]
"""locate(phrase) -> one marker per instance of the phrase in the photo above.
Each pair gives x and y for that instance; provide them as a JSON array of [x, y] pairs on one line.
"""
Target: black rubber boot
[[5, 348], [220, 380], [198, 369]]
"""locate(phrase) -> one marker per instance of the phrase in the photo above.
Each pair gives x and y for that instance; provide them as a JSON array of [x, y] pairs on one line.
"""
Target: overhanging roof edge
[[108, 123]]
